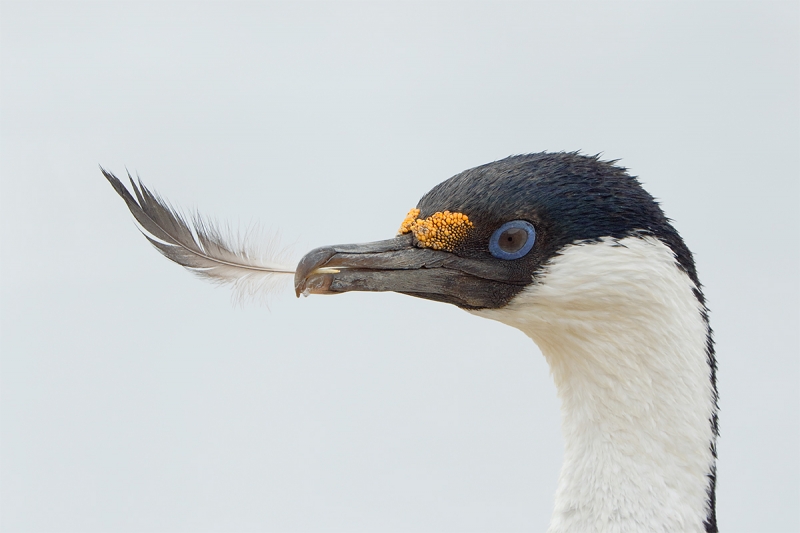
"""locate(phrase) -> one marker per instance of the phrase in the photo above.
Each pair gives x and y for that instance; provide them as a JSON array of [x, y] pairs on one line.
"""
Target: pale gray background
[[137, 398]]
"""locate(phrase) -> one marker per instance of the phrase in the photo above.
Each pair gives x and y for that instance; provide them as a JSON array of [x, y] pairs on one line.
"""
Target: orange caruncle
[[408, 222], [440, 231]]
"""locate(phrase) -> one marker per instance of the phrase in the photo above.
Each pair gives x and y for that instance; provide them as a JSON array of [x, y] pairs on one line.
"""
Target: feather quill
[[200, 246]]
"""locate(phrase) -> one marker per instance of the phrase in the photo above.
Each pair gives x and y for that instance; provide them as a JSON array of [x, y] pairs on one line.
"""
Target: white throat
[[623, 333]]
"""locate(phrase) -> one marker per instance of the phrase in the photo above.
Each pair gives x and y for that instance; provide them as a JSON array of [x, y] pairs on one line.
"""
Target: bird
[[571, 250]]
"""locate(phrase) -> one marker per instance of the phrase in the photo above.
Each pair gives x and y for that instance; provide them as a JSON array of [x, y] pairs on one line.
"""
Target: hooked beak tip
[[310, 277]]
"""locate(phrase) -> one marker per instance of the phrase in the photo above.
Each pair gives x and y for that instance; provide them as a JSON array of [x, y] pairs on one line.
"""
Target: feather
[[200, 246]]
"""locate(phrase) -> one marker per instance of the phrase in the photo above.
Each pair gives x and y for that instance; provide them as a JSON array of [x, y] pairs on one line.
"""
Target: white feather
[[197, 244]]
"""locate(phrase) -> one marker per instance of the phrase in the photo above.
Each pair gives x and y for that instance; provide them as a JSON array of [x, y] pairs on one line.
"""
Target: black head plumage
[[568, 197]]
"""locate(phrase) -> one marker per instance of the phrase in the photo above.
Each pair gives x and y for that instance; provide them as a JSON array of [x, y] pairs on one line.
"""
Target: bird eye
[[512, 240]]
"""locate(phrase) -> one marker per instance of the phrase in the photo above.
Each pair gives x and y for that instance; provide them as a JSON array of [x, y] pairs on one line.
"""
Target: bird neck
[[626, 340]]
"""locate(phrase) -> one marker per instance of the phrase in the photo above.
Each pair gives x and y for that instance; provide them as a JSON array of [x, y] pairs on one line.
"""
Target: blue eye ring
[[505, 244]]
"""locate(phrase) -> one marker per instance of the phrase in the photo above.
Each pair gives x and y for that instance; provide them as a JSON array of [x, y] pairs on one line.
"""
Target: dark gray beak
[[398, 265]]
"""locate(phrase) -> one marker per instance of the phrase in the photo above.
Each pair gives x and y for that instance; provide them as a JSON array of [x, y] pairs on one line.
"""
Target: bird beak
[[398, 265]]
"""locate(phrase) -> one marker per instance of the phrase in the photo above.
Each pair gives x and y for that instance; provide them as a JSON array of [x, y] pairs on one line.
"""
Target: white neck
[[624, 337]]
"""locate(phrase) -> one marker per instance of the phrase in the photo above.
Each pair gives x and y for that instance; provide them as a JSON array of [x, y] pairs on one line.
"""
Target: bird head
[[481, 237]]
